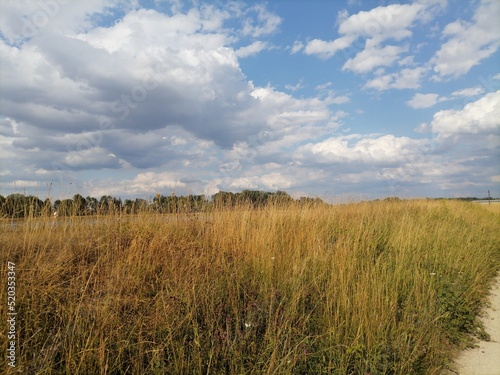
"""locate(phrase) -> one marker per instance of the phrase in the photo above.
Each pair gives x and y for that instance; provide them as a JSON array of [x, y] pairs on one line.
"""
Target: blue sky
[[337, 99]]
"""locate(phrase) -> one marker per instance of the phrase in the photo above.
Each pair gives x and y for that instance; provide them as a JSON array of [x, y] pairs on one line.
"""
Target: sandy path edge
[[485, 359]]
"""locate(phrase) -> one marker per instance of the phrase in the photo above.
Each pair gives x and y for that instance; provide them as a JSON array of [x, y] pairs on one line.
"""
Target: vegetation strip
[[388, 287]]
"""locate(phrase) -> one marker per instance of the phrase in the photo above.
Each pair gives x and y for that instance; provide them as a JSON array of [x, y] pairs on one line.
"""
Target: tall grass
[[368, 288]]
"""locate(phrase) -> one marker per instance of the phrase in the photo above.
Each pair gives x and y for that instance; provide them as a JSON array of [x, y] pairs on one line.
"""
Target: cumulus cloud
[[377, 26], [423, 100], [374, 56], [251, 49], [405, 79], [23, 19], [145, 184], [479, 117], [155, 102], [326, 49], [125, 75], [122, 97], [266, 23], [469, 42], [382, 150], [428, 100]]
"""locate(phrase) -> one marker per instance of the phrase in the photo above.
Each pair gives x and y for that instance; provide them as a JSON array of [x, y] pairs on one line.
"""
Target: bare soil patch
[[485, 358]]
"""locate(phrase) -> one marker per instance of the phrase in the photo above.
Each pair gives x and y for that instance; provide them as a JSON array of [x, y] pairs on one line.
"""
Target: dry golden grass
[[368, 288], [493, 207]]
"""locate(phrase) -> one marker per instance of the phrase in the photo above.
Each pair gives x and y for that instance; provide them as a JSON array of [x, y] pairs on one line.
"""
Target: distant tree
[[197, 203], [92, 205], [109, 205], [117, 205], [140, 205], [19, 205], [392, 199], [57, 203], [308, 201], [104, 204], [79, 205], [66, 208], [281, 197], [224, 199], [35, 206], [47, 207], [3, 213], [16, 205], [128, 206], [252, 197]]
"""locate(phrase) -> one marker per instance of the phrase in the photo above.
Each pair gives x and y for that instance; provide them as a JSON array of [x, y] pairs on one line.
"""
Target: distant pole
[[489, 197]]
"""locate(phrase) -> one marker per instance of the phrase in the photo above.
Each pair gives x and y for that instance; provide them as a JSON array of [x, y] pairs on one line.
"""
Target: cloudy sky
[[321, 98]]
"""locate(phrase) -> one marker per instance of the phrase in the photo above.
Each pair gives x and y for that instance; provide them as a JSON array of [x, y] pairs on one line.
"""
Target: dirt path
[[485, 359]]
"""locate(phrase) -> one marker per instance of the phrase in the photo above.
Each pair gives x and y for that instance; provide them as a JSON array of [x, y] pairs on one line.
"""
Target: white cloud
[[123, 90], [404, 79], [327, 49], [23, 19], [332, 99], [324, 86], [251, 49], [118, 105], [381, 23], [144, 184], [392, 22], [469, 43], [481, 116], [94, 158], [423, 100], [472, 91], [374, 56], [267, 22], [428, 100], [259, 181], [384, 150], [297, 47], [296, 87]]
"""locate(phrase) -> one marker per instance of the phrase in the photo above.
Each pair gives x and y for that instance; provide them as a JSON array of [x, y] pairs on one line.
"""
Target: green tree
[[66, 208], [57, 203], [224, 199], [79, 205], [104, 204], [140, 205], [92, 205], [16, 205], [3, 212], [47, 207]]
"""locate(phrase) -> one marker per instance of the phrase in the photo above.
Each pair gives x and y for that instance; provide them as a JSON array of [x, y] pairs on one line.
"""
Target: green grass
[[368, 288]]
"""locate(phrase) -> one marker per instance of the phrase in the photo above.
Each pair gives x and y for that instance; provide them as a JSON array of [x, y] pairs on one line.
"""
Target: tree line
[[21, 205]]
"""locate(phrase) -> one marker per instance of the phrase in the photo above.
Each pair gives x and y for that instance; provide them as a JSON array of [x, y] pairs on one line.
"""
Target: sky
[[331, 99]]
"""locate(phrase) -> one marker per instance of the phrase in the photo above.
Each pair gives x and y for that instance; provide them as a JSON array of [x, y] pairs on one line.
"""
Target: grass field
[[389, 287], [493, 207]]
